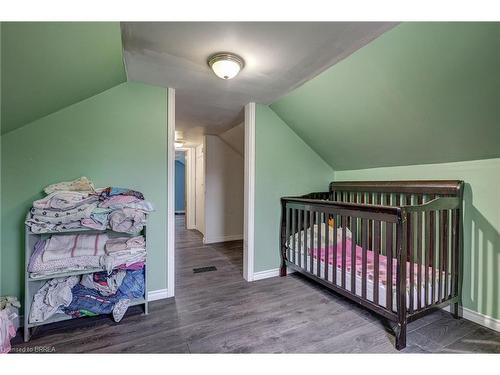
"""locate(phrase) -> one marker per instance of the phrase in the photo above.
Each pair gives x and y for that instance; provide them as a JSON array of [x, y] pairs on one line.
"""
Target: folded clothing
[[127, 220], [44, 227], [59, 217], [112, 191], [126, 201], [103, 283], [123, 259], [38, 267], [74, 245], [53, 295], [80, 184], [91, 300], [124, 243], [65, 200]]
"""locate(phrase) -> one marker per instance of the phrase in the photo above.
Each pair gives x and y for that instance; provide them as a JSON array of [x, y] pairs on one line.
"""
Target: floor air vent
[[204, 269]]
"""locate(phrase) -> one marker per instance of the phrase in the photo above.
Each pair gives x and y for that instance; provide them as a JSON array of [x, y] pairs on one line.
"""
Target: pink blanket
[[370, 263]]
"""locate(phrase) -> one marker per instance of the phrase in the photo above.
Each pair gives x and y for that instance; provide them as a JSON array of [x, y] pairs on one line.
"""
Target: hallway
[[219, 311]]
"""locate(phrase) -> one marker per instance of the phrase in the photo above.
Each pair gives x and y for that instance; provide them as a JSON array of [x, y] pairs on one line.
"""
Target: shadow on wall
[[481, 260]]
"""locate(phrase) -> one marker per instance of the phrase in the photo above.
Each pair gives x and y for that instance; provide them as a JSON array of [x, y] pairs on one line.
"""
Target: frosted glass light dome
[[225, 65]]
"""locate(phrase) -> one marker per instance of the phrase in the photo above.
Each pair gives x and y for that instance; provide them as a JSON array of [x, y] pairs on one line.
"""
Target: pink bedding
[[370, 271]]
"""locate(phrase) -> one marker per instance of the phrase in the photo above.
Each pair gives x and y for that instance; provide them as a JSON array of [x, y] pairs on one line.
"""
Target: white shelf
[[61, 317], [66, 274], [30, 282]]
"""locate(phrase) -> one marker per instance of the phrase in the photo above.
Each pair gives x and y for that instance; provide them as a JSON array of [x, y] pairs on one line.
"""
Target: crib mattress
[[382, 284]]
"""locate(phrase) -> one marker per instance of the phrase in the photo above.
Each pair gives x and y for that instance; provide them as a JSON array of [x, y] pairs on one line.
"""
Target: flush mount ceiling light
[[225, 65]]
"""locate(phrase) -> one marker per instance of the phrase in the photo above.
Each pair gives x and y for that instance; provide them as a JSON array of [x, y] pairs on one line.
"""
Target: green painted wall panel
[[420, 93], [118, 138], [481, 282], [284, 166], [47, 66]]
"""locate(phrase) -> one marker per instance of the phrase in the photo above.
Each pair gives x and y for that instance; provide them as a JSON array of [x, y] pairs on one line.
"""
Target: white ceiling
[[279, 56]]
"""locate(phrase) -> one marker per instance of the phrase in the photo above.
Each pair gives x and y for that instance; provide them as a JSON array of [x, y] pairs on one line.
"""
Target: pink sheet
[[369, 264]]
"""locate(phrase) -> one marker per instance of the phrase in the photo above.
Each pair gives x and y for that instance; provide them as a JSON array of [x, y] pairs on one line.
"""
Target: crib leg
[[401, 336], [283, 271], [455, 310]]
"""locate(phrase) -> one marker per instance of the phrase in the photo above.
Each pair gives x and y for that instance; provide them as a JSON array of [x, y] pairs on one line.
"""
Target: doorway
[[198, 171]]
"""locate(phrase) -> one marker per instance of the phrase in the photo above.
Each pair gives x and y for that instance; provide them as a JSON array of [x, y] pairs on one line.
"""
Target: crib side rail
[[433, 250], [309, 252]]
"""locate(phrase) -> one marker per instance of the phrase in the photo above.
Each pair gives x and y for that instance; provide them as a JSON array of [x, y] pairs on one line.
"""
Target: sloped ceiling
[[279, 56], [47, 66], [420, 93]]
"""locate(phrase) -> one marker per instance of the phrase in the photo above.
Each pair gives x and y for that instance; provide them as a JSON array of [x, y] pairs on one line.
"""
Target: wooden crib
[[394, 247]]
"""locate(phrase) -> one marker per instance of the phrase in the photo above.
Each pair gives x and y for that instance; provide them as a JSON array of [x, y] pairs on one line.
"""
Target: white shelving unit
[[33, 284]]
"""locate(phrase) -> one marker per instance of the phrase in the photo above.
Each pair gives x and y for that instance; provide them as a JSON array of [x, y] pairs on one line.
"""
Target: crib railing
[[411, 238]]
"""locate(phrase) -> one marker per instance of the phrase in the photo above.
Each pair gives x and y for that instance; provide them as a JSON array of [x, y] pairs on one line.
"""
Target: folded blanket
[[74, 245], [124, 243], [37, 267], [127, 220], [112, 191], [63, 217], [80, 184], [65, 200], [44, 227], [123, 258], [126, 201]]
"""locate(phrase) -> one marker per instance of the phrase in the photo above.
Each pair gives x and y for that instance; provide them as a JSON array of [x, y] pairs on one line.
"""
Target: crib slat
[[299, 242], [342, 282], [311, 239], [419, 254], [287, 231], [353, 255], [427, 256], [445, 253], [388, 288], [334, 254], [376, 251], [455, 224], [432, 253], [370, 224], [441, 254], [364, 227], [409, 229], [295, 233], [327, 243], [306, 229], [318, 250]]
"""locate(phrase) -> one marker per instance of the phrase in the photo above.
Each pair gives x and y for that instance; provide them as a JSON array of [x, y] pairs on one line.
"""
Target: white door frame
[[170, 192], [249, 210], [190, 208], [249, 195]]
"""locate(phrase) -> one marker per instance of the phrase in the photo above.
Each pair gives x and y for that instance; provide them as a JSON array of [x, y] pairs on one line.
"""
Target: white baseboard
[[155, 295], [234, 237], [476, 317], [268, 273]]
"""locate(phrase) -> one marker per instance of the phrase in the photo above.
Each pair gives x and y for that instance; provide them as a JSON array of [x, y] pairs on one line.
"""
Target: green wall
[[118, 138], [481, 282], [284, 166], [52, 65], [1, 290], [420, 93]]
